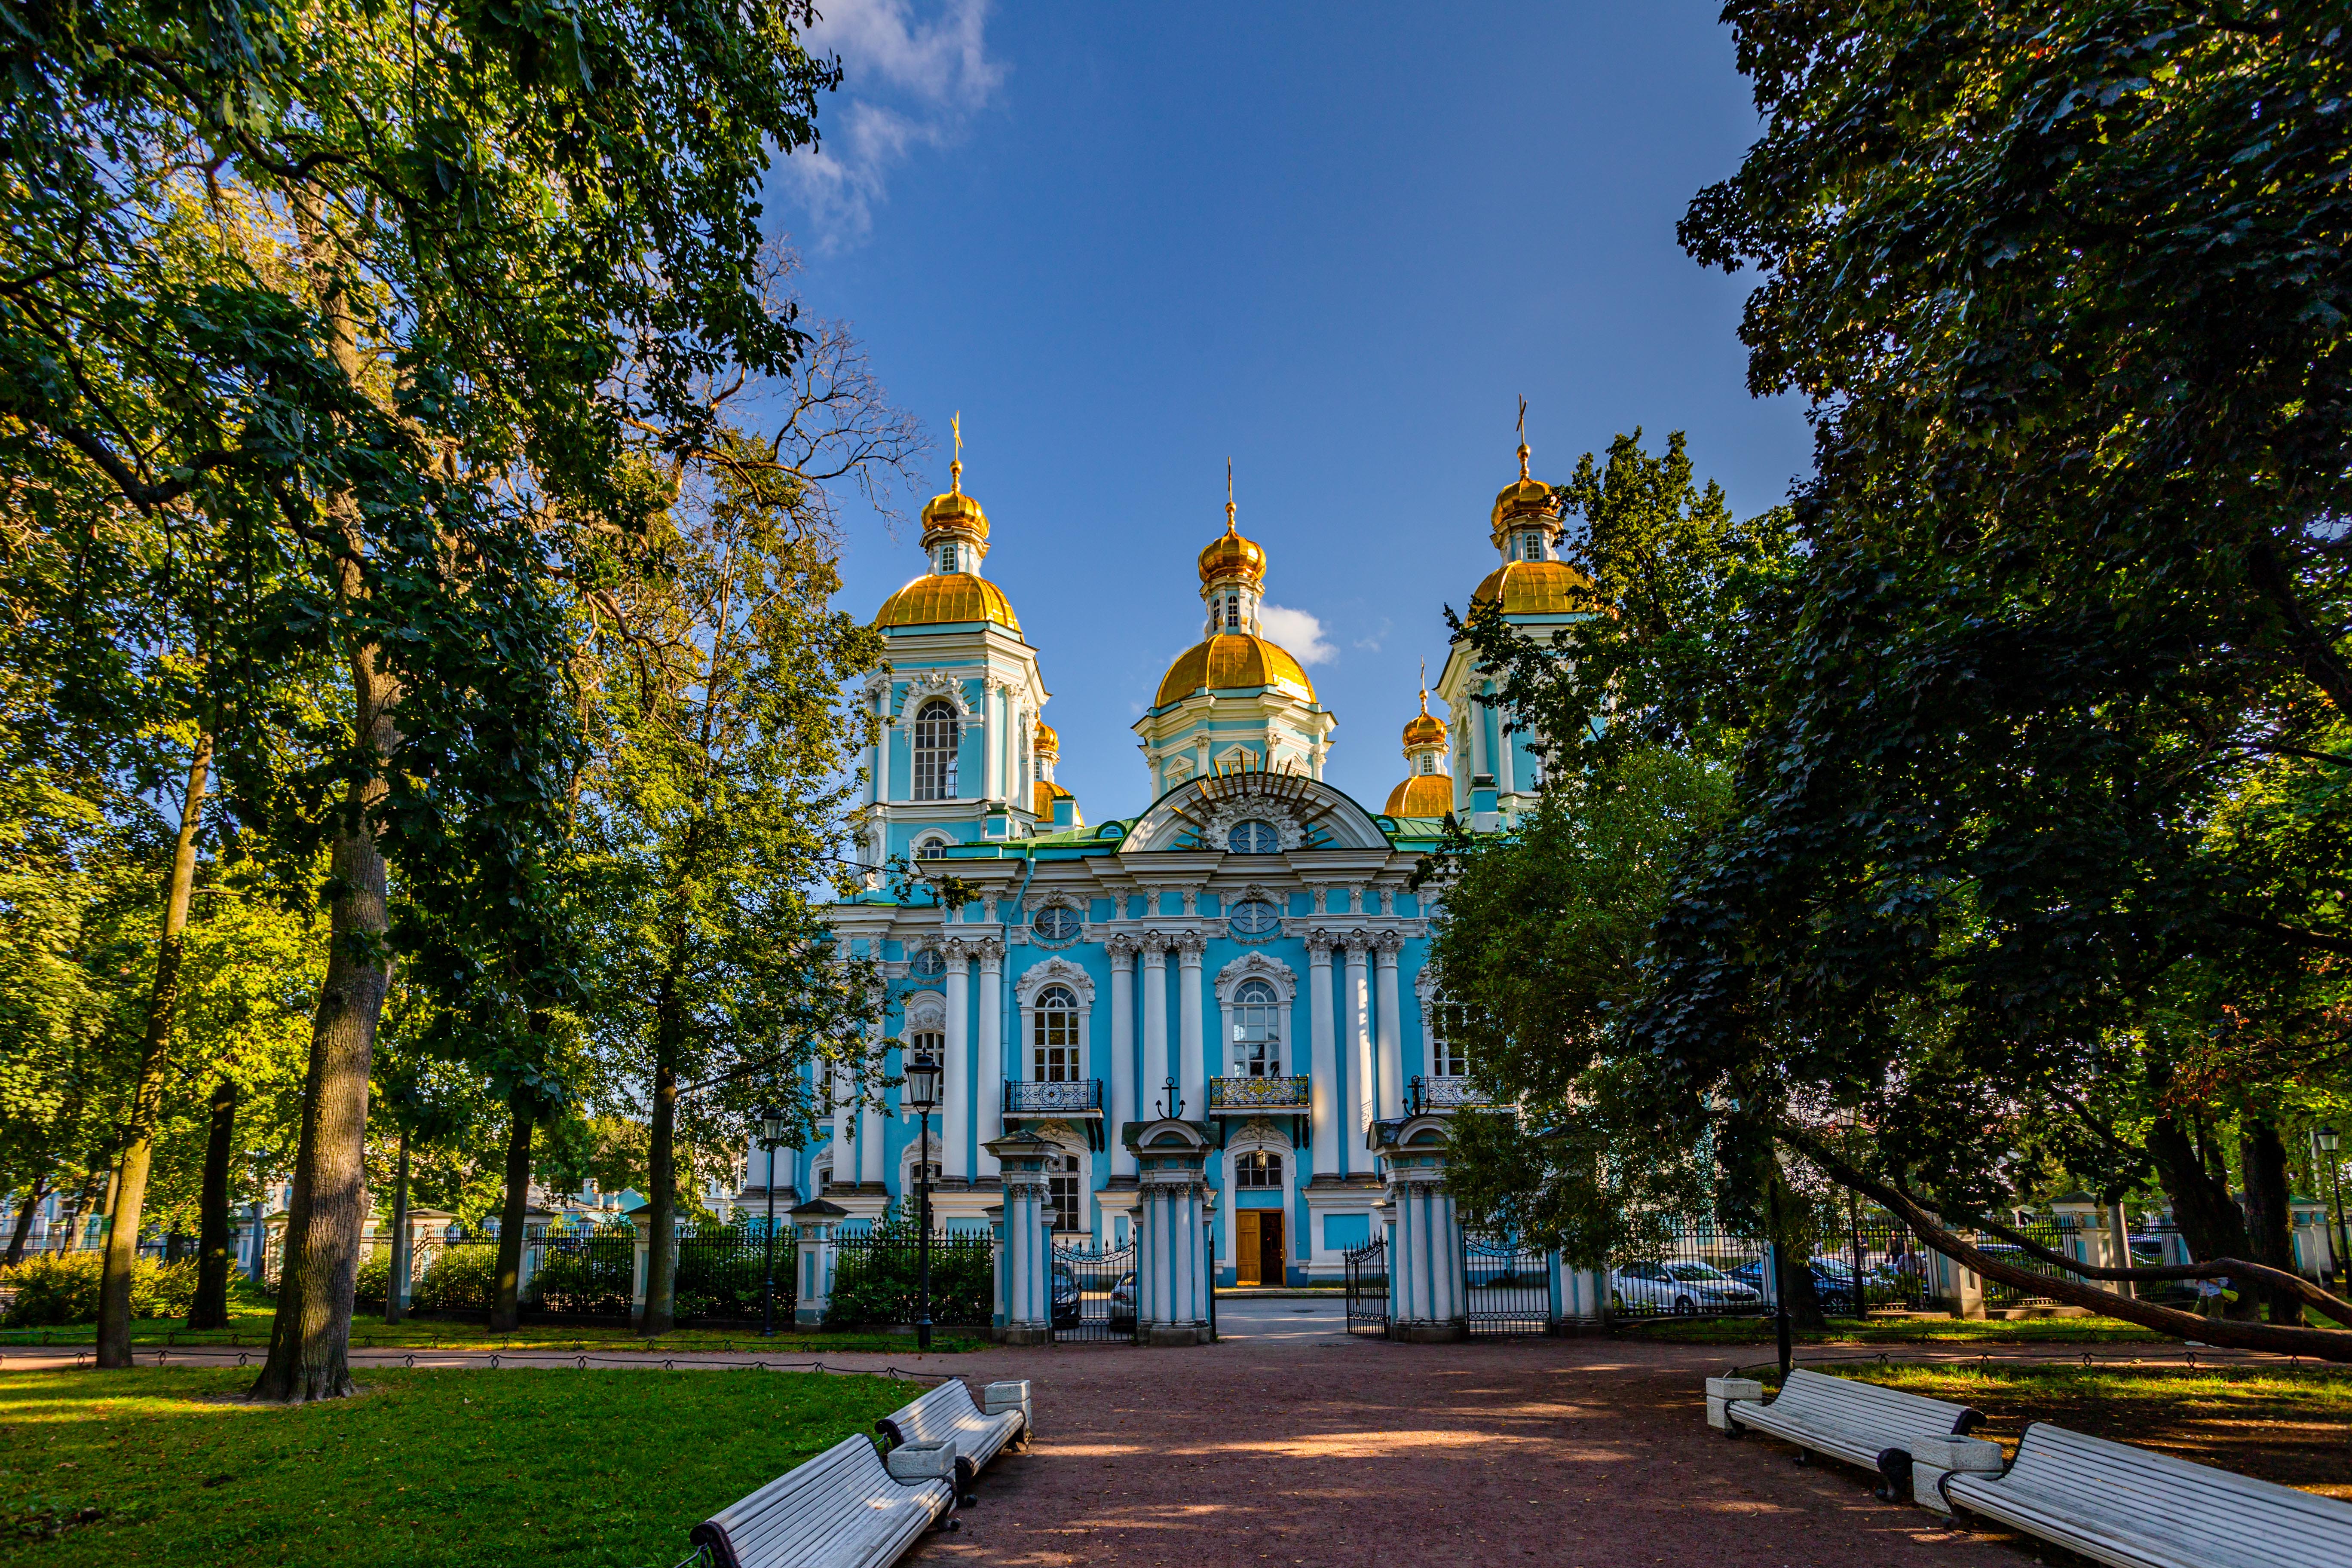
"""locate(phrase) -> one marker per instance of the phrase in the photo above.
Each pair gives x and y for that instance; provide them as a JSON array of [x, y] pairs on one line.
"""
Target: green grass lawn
[[249, 1329], [427, 1469], [1897, 1331], [2288, 1424]]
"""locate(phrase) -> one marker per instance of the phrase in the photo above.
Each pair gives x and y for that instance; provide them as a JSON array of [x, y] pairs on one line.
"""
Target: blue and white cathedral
[[1247, 952]]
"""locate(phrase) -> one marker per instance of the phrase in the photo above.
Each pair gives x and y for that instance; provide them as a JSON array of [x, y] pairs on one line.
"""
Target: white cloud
[[1300, 633], [910, 83]]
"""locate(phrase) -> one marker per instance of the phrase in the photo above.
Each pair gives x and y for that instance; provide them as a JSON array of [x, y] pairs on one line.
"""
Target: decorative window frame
[[924, 1012], [1034, 980], [1259, 891], [1288, 832], [922, 687], [915, 850], [1256, 965], [1057, 902]]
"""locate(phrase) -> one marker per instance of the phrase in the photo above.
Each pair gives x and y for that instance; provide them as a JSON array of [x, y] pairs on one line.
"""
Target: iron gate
[[1368, 1287], [1509, 1288], [1094, 1297]]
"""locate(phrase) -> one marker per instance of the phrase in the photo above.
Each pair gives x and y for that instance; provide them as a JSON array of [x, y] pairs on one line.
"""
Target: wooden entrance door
[[1247, 1246], [1269, 1246]]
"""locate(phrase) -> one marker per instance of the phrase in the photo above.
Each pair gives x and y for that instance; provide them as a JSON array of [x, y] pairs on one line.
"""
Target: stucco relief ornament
[[1056, 921], [933, 683], [1056, 972], [1219, 826], [1257, 966]]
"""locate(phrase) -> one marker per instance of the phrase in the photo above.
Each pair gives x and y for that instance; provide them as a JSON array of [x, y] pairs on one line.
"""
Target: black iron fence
[[590, 1271], [1094, 1295], [1700, 1270], [1368, 1286], [875, 1280], [1509, 1286], [722, 1273]]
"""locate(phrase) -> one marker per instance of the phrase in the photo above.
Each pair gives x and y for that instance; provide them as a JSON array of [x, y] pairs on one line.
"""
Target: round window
[[1253, 837], [1256, 917], [1056, 923], [929, 964]]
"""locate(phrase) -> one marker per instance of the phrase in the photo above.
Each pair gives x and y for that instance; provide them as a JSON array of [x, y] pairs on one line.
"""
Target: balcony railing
[[1435, 1094], [1072, 1097], [1257, 1096]]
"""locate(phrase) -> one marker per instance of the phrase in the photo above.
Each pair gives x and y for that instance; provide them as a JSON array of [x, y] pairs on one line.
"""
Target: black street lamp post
[[2326, 1139], [771, 1132], [922, 1092]]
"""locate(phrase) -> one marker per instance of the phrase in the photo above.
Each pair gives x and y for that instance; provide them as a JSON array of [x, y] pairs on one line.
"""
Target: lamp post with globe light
[[922, 1095], [771, 1132]]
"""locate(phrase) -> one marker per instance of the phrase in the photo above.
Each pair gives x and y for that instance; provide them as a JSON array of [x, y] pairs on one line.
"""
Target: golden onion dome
[[1046, 743], [1424, 729], [949, 598], [1423, 794], [1525, 498], [1042, 796], [1535, 588], [1231, 555], [1232, 661]]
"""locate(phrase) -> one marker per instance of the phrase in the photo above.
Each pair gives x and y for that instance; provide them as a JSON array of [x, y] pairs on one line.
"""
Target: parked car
[[1686, 1288], [1066, 1296], [1830, 1278], [1122, 1302]]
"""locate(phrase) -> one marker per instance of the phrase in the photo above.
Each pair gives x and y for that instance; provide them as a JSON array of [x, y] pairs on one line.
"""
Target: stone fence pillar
[[1024, 1263], [1172, 1266], [1431, 1302], [815, 1223]]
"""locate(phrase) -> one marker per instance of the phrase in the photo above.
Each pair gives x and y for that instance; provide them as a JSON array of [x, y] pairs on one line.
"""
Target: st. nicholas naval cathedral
[[1246, 954]]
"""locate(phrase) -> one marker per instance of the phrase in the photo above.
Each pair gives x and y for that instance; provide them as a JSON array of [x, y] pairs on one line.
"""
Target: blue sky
[[1336, 244]]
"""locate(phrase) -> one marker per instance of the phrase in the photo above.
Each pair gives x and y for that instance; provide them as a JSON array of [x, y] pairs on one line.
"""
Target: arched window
[[1253, 837], [1429, 762], [931, 849], [1258, 1031], [947, 557], [1054, 1036], [1534, 547], [935, 751], [1257, 1168], [1449, 1053], [1232, 612]]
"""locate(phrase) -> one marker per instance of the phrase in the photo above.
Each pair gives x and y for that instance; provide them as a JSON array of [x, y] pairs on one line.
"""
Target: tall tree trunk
[[147, 1090], [506, 1304], [210, 1309], [36, 1195], [309, 1339], [2269, 1230], [661, 1170], [2210, 1221], [398, 1275]]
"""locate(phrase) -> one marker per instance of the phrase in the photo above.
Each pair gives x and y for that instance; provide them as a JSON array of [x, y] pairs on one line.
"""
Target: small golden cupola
[[955, 538], [1428, 787], [1526, 527], [1233, 576], [1046, 748]]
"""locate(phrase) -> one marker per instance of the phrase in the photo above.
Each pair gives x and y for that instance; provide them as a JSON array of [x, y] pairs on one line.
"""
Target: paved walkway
[[1291, 1442]]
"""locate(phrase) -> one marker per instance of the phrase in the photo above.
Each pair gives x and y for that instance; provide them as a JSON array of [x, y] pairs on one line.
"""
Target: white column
[[1122, 1106], [1360, 1030], [1323, 1063], [1391, 1047], [1477, 732], [955, 1139], [988, 1077], [1155, 1025], [992, 737], [869, 1144], [1194, 1078], [882, 743], [844, 1088], [1506, 778]]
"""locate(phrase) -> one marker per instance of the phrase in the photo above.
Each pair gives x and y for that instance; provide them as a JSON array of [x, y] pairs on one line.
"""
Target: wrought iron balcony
[[1257, 1096], [1441, 1094], [1071, 1097]]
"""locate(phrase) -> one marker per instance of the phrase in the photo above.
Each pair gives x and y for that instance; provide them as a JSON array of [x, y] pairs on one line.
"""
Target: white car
[[1687, 1287]]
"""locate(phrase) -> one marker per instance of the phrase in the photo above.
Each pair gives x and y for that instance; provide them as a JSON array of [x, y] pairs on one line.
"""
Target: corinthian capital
[[1320, 943], [990, 950], [1122, 947], [955, 949], [1390, 942], [1192, 944]]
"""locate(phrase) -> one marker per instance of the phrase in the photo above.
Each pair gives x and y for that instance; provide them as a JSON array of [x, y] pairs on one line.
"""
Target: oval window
[[1253, 837], [929, 964], [1056, 923], [1256, 917]]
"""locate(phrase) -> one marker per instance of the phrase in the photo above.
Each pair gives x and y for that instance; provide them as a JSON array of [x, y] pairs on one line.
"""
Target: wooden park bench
[[850, 1506], [948, 1415], [1860, 1422], [2132, 1509]]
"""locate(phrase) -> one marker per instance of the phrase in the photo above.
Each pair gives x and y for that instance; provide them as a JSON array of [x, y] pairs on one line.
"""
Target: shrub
[[874, 1276], [54, 1288], [375, 1275], [459, 1278]]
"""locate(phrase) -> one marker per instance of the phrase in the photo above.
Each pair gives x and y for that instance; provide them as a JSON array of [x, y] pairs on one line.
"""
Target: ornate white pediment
[[1055, 972], [1257, 966], [932, 683]]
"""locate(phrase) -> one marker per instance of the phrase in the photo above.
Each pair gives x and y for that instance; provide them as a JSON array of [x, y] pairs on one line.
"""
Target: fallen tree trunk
[[2233, 1334]]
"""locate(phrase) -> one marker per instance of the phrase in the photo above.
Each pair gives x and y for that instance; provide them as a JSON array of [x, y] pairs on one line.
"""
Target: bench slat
[[841, 1510]]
